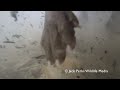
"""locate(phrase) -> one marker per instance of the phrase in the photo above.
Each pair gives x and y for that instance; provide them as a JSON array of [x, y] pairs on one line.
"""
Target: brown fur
[[58, 33]]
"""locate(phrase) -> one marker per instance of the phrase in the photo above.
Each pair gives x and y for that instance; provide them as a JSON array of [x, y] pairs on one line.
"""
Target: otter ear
[[69, 15]]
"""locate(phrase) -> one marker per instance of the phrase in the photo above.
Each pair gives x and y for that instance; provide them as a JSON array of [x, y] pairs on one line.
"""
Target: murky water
[[21, 55]]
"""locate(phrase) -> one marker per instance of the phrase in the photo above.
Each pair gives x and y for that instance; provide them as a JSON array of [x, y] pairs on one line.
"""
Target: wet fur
[[58, 33]]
